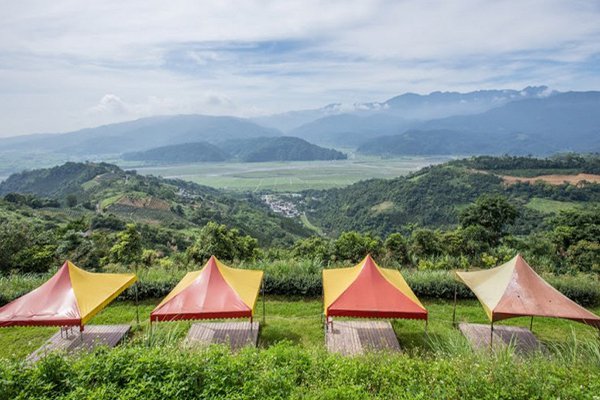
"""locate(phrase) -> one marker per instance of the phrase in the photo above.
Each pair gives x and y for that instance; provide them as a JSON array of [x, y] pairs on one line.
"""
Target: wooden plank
[[357, 337], [523, 340], [234, 334], [72, 341]]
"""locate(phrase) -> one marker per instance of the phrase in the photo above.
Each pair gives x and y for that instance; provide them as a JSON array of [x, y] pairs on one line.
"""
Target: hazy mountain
[[350, 129], [283, 148], [289, 120], [563, 122], [141, 134], [179, 153]]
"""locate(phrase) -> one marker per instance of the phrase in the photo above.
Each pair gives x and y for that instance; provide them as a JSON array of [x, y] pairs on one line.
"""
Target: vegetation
[[291, 362], [284, 148], [179, 153]]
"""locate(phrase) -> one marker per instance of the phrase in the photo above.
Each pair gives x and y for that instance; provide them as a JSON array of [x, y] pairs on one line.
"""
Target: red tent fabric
[[370, 292]]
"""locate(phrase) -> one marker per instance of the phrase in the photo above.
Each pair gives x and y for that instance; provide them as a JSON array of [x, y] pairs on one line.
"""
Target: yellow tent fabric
[[94, 291], [489, 285], [366, 290], [216, 291]]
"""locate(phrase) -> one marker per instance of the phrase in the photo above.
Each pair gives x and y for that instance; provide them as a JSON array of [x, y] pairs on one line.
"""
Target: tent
[[368, 291], [70, 298], [514, 289], [216, 291]]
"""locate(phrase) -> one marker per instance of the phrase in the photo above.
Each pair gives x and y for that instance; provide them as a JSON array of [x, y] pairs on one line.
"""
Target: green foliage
[[313, 248], [396, 248], [128, 249], [353, 246], [492, 212], [284, 371], [222, 242], [426, 243]]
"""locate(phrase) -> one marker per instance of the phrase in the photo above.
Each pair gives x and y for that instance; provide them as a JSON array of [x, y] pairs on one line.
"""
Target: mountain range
[[534, 120]]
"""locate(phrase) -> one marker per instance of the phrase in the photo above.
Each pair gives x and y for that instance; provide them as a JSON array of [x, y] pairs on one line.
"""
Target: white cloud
[[73, 64]]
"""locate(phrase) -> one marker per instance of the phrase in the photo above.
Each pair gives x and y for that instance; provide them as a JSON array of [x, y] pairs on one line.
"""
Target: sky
[[69, 64]]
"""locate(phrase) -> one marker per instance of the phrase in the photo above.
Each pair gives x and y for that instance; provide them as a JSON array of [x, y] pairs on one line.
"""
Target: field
[[298, 321], [552, 179], [289, 176], [551, 206]]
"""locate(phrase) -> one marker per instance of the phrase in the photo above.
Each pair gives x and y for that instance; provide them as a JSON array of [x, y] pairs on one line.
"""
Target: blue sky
[[71, 64]]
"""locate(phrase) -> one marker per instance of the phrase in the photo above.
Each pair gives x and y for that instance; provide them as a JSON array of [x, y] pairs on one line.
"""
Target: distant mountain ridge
[[281, 148]]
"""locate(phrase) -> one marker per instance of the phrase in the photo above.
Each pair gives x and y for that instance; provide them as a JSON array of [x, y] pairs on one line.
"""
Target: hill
[[434, 196], [179, 153], [103, 189], [283, 148], [559, 123], [141, 134]]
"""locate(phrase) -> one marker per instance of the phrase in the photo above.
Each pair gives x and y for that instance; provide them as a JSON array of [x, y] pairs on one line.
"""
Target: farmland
[[289, 176]]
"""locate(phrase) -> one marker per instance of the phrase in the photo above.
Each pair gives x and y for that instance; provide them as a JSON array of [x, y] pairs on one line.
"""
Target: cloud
[[75, 64]]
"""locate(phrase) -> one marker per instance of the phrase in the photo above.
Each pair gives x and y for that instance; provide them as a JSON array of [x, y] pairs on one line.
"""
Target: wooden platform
[[357, 337], [93, 336], [521, 338], [234, 334]]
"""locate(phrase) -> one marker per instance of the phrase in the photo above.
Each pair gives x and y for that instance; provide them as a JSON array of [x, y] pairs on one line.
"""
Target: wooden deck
[[93, 336], [357, 337], [234, 334], [521, 338]]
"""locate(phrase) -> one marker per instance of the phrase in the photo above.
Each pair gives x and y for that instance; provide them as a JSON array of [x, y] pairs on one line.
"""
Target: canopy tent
[[366, 290], [514, 289], [70, 298], [216, 291]]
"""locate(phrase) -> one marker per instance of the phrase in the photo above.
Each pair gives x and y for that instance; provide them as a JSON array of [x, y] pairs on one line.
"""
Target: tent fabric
[[70, 298], [366, 290], [216, 291], [514, 289]]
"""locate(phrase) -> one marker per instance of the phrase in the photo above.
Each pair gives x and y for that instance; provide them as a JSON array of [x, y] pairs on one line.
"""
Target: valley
[[290, 176]]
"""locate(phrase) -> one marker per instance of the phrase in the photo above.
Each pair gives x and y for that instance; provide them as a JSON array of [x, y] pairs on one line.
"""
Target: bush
[[284, 371]]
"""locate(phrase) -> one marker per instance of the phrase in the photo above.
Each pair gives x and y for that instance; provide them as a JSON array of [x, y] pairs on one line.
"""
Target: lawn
[[298, 321]]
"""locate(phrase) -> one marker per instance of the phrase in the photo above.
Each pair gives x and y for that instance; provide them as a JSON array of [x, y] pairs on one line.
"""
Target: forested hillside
[[434, 196], [285, 148], [101, 190], [179, 153]]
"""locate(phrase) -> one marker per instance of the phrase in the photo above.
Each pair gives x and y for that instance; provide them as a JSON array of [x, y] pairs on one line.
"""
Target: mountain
[[141, 134], [282, 148], [287, 121], [562, 122], [179, 153], [349, 129], [104, 189]]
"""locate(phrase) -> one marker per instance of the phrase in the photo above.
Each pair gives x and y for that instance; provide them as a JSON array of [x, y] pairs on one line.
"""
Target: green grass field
[[548, 206], [298, 320], [290, 176]]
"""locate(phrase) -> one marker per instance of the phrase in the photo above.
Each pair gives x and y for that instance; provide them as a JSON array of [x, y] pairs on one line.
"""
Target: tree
[[222, 242], [352, 246], [128, 249], [493, 212], [425, 243], [312, 248], [71, 200], [396, 248]]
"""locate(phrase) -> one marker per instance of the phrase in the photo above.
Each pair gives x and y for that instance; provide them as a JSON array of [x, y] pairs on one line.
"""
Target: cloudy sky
[[67, 64]]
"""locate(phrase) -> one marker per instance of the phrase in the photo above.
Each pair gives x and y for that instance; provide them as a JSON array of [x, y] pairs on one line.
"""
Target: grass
[[297, 321], [548, 206], [306, 222], [291, 176]]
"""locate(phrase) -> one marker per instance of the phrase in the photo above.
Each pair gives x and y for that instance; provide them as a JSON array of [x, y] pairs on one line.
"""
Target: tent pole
[[454, 309], [491, 334], [426, 324], [137, 308], [263, 301], [531, 324]]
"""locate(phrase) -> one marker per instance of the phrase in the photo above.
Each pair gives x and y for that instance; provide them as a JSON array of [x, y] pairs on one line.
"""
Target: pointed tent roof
[[70, 298], [366, 290], [514, 289], [216, 291]]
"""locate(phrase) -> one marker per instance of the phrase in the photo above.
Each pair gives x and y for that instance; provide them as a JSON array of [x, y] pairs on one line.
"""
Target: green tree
[[312, 248], [493, 212], [396, 248], [353, 246], [425, 243], [128, 249], [222, 242]]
